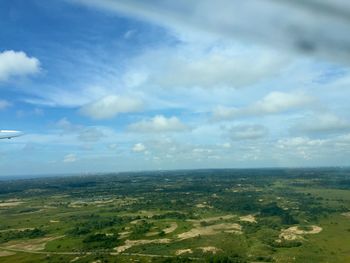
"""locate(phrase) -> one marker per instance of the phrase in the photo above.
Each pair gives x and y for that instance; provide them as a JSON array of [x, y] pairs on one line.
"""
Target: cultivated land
[[266, 215]]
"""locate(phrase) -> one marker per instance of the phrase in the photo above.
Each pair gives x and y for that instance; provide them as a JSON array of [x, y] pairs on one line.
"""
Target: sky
[[108, 86]]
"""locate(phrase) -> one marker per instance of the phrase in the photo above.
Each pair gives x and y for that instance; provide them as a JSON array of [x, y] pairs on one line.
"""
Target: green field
[[266, 215]]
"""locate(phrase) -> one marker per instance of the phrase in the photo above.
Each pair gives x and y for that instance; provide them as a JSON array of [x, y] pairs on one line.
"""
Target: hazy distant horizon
[[38, 176]]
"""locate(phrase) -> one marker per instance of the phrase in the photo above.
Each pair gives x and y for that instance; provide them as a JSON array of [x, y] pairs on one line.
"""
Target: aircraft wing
[[8, 134]]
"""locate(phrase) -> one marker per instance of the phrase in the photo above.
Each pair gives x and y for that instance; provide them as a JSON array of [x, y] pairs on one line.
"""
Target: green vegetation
[[262, 215]]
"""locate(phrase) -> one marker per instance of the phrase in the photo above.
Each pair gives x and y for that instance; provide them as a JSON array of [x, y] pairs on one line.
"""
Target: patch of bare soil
[[198, 229], [183, 251], [36, 244], [347, 214], [16, 229], [293, 233], [75, 259], [213, 219], [213, 250], [247, 218], [124, 234], [171, 228], [134, 222], [130, 243], [6, 253], [152, 234], [203, 205], [10, 204], [211, 230]]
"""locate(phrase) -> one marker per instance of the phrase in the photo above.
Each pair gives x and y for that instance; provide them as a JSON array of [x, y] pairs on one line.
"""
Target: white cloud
[[226, 145], [158, 123], [91, 134], [112, 146], [4, 104], [299, 142], [70, 158], [130, 33], [110, 106], [14, 64], [139, 147], [273, 103], [214, 66], [304, 147], [247, 132], [66, 125], [322, 123]]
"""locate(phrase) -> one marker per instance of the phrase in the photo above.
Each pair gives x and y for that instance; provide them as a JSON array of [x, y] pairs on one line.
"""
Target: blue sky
[[100, 86]]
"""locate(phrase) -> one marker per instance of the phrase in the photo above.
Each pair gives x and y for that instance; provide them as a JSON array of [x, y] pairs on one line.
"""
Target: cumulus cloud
[[327, 123], [65, 125], [273, 103], [247, 132], [158, 123], [4, 104], [14, 64], [91, 134], [139, 147], [112, 146], [70, 158], [110, 106], [82, 133], [304, 147], [299, 142]]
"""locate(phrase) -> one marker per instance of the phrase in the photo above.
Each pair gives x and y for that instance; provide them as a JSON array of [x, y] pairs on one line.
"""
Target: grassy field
[[277, 215]]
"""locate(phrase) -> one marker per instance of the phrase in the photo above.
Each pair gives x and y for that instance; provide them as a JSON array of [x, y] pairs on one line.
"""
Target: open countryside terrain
[[255, 215]]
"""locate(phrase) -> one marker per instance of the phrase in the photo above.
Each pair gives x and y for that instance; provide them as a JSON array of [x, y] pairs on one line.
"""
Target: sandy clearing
[[293, 233], [209, 249], [10, 204], [101, 202], [54, 221], [183, 251], [171, 228], [152, 234], [6, 253], [167, 230], [210, 230], [124, 234], [13, 200], [16, 229], [75, 259], [347, 214], [197, 230], [212, 219], [134, 222], [130, 243], [146, 213], [36, 244], [247, 218], [203, 206]]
